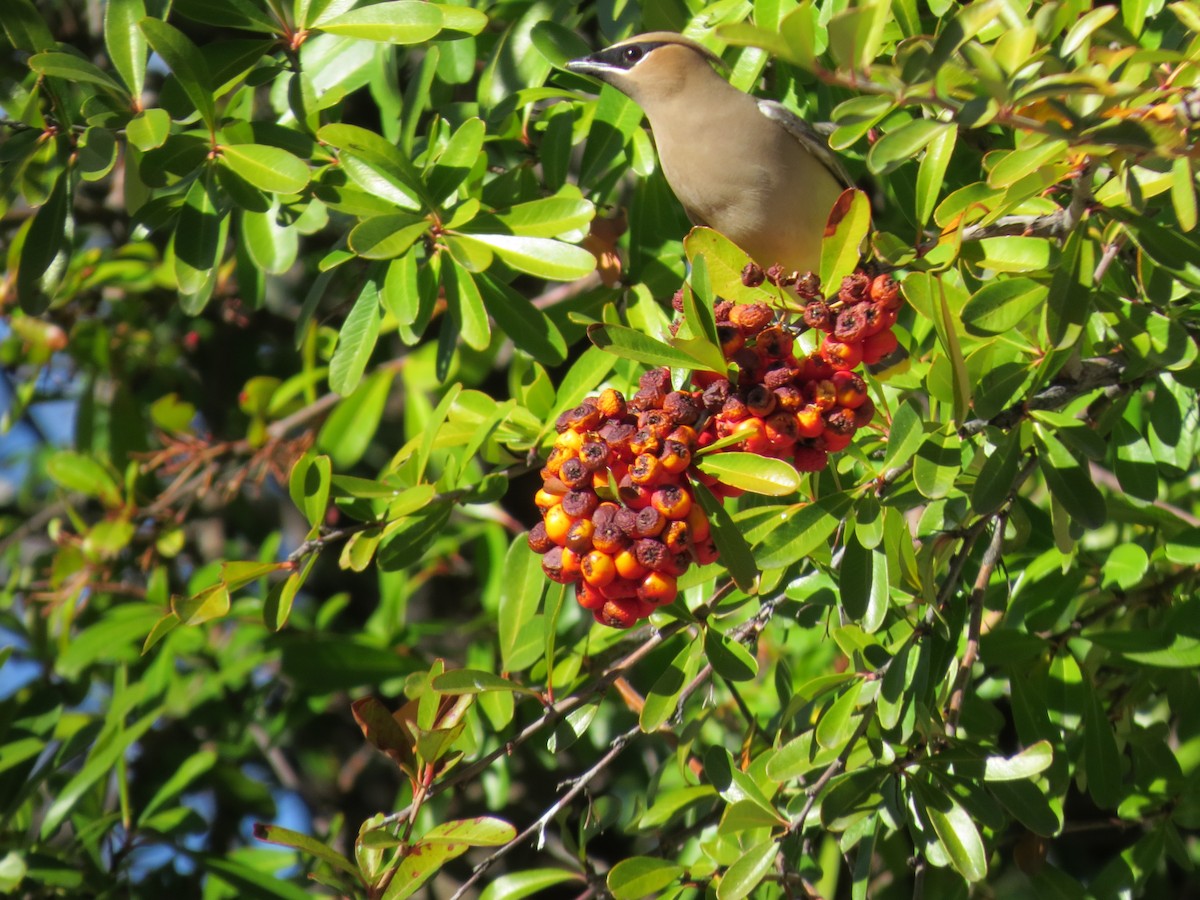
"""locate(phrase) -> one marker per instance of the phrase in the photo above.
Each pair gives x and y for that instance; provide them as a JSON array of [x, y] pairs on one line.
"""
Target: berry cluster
[[619, 518]]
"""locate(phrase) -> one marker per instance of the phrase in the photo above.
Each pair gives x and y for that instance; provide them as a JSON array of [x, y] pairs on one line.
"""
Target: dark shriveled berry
[[580, 504], [817, 315], [539, 541]]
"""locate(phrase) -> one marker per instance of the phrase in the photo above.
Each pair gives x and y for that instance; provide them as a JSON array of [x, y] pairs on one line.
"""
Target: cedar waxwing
[[749, 168]]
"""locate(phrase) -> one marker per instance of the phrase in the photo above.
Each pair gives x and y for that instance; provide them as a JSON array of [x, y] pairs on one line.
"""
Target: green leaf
[[274, 834], [735, 552], [1101, 759], [211, 603], [728, 657], [308, 486], [199, 240], [349, 430], [839, 720], [356, 341], [457, 159], [995, 481], [663, 696], [100, 764], [518, 885], [387, 236], [863, 579], [1183, 193], [76, 472], [751, 472], [628, 343], [543, 257], [956, 833], [937, 463], [76, 69], [1014, 254], [269, 169], [526, 326], [395, 22], [841, 249], [1029, 762], [271, 245], [901, 146], [187, 64], [149, 129], [931, 174], [44, 251], [549, 216], [747, 871], [641, 876], [798, 531], [465, 302], [1069, 480], [481, 831], [1000, 306], [125, 42], [904, 436], [474, 681], [520, 597]]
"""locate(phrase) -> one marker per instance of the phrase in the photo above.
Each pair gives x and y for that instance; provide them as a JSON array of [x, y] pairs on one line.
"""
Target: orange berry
[[561, 565], [676, 457], [588, 596], [677, 537], [545, 500], [833, 442], [619, 589], [618, 613], [634, 496], [752, 433], [657, 588], [598, 568], [557, 523], [842, 356], [698, 523], [781, 430], [705, 551], [809, 423], [570, 440], [579, 536], [609, 539], [611, 403], [628, 566], [851, 389], [647, 471], [672, 500], [877, 346]]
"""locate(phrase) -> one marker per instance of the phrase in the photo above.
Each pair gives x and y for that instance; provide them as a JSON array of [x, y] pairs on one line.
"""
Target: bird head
[[649, 66]]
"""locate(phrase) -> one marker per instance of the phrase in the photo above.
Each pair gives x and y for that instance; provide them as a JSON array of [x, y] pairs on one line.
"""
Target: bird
[[749, 168]]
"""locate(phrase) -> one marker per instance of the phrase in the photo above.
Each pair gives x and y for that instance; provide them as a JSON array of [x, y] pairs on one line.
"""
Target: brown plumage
[[749, 168]]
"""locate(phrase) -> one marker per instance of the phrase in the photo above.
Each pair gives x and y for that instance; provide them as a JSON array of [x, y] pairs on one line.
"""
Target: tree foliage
[[294, 293]]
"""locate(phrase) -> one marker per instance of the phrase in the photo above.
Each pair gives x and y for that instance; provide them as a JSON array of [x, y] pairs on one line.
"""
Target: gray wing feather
[[809, 136]]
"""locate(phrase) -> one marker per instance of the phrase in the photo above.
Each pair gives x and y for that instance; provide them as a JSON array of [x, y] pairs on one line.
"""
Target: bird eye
[[632, 54]]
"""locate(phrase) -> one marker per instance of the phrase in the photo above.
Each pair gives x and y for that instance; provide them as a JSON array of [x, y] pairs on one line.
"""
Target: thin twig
[[834, 769], [577, 786], [1093, 374], [991, 558], [1059, 223]]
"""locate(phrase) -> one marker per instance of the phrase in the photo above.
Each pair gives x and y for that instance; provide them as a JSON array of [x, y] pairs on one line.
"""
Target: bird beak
[[589, 65]]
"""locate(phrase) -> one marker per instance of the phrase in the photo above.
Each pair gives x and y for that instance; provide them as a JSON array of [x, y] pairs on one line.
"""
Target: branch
[[577, 786], [1059, 223], [991, 558], [1095, 373]]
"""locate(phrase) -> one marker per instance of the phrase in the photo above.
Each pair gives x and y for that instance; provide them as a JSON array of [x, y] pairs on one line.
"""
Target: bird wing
[[808, 136]]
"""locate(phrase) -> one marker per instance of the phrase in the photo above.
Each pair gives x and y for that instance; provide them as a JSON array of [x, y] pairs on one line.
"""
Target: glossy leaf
[[751, 472]]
